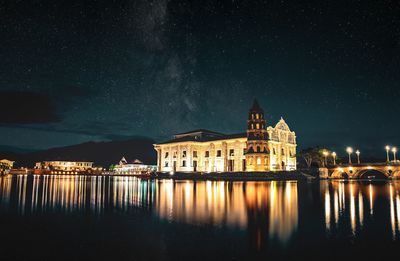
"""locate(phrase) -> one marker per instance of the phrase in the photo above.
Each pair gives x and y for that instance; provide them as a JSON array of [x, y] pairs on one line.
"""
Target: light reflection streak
[[355, 196]]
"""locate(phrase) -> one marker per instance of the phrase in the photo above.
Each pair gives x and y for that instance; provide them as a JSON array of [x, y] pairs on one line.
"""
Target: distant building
[[133, 168], [65, 167], [260, 148], [5, 166]]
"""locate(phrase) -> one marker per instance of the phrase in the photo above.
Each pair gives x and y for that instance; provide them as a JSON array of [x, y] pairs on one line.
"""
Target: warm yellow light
[[334, 154], [394, 149], [387, 147], [325, 153], [349, 150], [340, 169], [358, 152]]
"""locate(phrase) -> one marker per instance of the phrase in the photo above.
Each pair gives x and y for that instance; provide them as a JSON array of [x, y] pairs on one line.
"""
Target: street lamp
[[394, 150], [349, 150], [334, 158], [387, 153], [325, 153], [358, 156]]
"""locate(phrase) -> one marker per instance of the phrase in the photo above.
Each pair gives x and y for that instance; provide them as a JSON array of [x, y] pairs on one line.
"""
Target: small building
[[136, 167], [261, 148], [65, 167], [5, 166]]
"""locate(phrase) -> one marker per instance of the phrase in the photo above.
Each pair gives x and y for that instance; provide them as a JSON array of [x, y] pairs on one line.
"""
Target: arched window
[[258, 161], [283, 151], [257, 126], [258, 149], [257, 116], [252, 126]]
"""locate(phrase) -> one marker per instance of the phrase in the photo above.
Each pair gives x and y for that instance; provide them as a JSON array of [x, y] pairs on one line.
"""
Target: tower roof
[[256, 106]]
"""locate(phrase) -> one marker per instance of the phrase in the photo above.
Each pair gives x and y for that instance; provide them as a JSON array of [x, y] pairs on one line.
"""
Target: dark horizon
[[75, 72]]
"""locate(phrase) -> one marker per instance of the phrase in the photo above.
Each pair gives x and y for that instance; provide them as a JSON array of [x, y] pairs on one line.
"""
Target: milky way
[[115, 69]]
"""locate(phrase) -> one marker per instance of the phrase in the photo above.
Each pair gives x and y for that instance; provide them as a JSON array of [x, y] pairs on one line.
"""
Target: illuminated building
[[136, 167], [259, 149], [65, 167], [5, 166]]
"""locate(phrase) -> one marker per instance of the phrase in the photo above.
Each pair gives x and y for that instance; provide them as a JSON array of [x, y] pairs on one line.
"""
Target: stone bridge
[[362, 171]]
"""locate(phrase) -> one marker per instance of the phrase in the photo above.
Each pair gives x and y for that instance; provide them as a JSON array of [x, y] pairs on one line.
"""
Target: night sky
[[77, 71]]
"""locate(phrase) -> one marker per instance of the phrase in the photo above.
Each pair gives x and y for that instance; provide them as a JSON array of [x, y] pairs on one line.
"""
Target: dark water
[[124, 218]]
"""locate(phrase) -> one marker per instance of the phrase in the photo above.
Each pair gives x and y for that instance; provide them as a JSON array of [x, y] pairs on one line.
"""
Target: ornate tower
[[257, 152]]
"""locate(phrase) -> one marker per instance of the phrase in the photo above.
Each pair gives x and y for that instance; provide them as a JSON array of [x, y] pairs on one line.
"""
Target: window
[[283, 151], [166, 164], [244, 151], [232, 152], [207, 154], [257, 125], [175, 154], [258, 149], [184, 154], [274, 151], [194, 154], [184, 163], [257, 116], [166, 155], [219, 152], [258, 161]]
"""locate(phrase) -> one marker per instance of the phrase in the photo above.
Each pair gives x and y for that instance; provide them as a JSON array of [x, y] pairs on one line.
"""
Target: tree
[[315, 155]]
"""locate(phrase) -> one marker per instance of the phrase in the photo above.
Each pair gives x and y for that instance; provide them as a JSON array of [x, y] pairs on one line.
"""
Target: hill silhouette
[[102, 153]]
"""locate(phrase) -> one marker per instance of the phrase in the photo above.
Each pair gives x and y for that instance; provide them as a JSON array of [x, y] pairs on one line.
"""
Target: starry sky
[[77, 71]]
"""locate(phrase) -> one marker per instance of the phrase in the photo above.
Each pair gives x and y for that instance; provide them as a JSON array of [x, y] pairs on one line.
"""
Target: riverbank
[[235, 176]]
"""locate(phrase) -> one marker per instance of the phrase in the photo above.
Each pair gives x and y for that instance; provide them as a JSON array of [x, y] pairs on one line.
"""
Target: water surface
[[126, 218]]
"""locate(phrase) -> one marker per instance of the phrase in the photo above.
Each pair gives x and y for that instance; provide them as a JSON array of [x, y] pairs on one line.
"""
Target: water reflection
[[235, 204], [268, 210], [352, 203]]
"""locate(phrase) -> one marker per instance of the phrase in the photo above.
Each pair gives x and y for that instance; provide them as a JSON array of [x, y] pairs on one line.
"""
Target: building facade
[[5, 166], [135, 167], [65, 167], [260, 149]]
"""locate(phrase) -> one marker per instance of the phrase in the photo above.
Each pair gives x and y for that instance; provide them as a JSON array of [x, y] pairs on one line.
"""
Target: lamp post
[[387, 148], [334, 158], [358, 156], [349, 150], [394, 150], [325, 153]]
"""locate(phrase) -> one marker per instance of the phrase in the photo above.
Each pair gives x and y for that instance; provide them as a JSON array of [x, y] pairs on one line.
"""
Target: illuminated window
[[257, 125], [257, 116], [207, 154], [252, 126], [258, 161], [194, 154], [219, 153]]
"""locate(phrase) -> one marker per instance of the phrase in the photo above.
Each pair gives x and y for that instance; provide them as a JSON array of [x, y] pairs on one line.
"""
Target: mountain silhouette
[[102, 153]]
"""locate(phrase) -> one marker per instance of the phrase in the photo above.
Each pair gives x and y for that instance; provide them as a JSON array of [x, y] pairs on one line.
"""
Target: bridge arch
[[374, 173]]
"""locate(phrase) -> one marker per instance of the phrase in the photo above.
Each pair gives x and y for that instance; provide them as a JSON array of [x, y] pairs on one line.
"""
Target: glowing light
[[349, 150]]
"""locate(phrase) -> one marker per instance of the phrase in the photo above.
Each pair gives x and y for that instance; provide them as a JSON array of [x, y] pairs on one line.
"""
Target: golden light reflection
[[354, 203], [237, 204]]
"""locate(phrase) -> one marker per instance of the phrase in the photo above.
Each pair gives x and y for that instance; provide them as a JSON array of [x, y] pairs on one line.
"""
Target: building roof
[[204, 138], [198, 131]]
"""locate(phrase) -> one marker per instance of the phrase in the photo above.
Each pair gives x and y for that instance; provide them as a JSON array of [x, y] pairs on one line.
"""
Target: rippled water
[[120, 218]]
